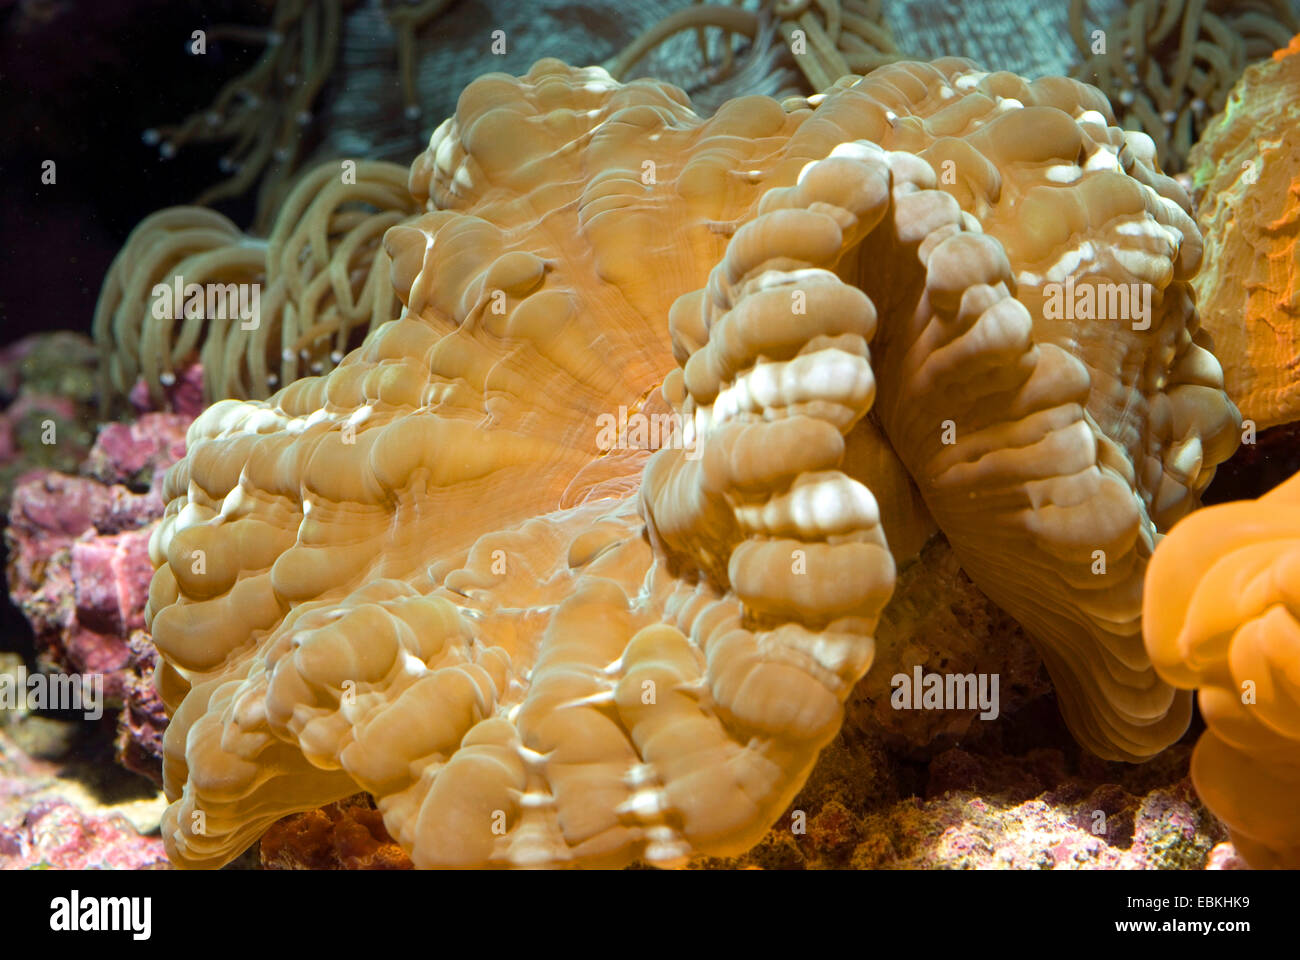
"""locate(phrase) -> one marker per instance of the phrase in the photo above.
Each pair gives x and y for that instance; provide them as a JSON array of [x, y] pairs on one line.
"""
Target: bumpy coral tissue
[[433, 576], [1222, 614], [1247, 169]]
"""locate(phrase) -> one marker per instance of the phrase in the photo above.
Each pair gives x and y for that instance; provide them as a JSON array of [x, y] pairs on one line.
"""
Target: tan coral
[[1246, 171], [426, 576], [1222, 614]]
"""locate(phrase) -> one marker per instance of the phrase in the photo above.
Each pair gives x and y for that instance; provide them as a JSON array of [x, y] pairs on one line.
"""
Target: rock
[[56, 835], [348, 835], [111, 577], [138, 745], [71, 810], [1224, 856], [137, 454], [939, 620], [79, 571], [1009, 799], [47, 395], [184, 396]]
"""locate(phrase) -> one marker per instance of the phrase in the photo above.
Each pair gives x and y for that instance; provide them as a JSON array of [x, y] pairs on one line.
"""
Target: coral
[[1246, 174], [1167, 65], [432, 576], [320, 281], [1221, 615], [1023, 521], [406, 20]]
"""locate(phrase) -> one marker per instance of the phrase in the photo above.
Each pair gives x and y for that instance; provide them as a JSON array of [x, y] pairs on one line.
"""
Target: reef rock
[[348, 835], [143, 719], [56, 835], [79, 570], [47, 394]]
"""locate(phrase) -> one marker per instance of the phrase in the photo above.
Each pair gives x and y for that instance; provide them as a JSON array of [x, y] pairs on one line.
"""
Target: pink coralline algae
[[79, 569], [48, 819], [184, 395], [55, 834], [1164, 829], [1225, 857], [1033, 812], [136, 453], [985, 806]]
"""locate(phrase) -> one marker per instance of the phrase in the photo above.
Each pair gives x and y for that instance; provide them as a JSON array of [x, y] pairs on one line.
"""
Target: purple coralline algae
[[79, 570]]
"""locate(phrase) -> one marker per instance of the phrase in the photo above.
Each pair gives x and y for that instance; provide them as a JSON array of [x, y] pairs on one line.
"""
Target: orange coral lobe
[[1222, 613]]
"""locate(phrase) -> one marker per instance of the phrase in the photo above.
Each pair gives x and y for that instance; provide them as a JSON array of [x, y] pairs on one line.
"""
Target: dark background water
[[80, 80]]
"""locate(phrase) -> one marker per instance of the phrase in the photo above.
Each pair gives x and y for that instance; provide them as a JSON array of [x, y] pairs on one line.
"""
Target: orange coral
[[348, 835], [1247, 174], [427, 576], [1222, 614]]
